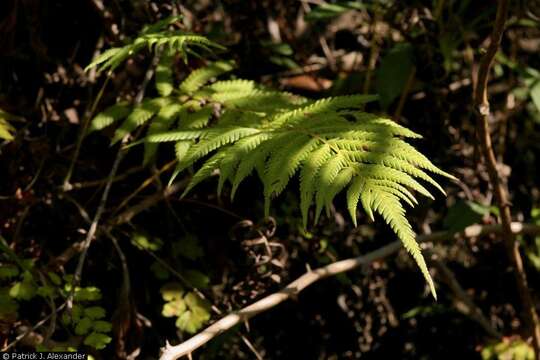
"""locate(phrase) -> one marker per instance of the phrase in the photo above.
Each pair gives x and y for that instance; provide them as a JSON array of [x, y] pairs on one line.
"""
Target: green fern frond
[[195, 119], [233, 86], [201, 76], [181, 149], [237, 127], [164, 74], [140, 115], [325, 180], [7, 130], [389, 207], [308, 178], [109, 116], [151, 37], [163, 121], [175, 136], [205, 146]]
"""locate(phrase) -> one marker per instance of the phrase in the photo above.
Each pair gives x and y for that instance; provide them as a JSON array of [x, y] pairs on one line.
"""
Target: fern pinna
[[237, 127]]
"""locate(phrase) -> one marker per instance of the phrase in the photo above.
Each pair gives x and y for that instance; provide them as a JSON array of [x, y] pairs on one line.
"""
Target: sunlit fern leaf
[[236, 128], [110, 115], [222, 138], [353, 196], [164, 74], [233, 86], [325, 179], [249, 163], [308, 178], [341, 180], [285, 162], [161, 24], [235, 154], [181, 148], [150, 38], [176, 135], [367, 156], [195, 119], [163, 121], [201, 76], [258, 101], [389, 207], [205, 171], [239, 117], [6, 129], [140, 115]]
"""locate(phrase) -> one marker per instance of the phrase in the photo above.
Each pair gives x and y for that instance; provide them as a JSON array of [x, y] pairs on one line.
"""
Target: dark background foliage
[[419, 55]]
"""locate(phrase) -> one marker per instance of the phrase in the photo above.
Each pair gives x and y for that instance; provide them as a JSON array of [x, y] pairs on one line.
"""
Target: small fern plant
[[238, 127]]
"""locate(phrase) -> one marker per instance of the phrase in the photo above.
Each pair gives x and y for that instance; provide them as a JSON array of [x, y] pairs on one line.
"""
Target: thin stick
[[103, 201], [86, 122], [309, 278], [32, 329], [463, 301], [495, 179]]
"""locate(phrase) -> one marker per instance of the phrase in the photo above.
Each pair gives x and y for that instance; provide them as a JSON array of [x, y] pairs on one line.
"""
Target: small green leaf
[[23, 290], [102, 326], [94, 312], [83, 326], [90, 293], [463, 214], [174, 308], [8, 271], [512, 349], [47, 291], [143, 242], [55, 279], [392, 75], [171, 291], [97, 340]]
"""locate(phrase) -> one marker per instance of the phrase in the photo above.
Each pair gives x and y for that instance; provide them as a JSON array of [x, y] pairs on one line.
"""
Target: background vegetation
[[162, 267]]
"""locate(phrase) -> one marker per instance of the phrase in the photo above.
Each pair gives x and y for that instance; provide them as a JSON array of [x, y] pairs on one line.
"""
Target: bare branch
[[495, 178], [294, 288]]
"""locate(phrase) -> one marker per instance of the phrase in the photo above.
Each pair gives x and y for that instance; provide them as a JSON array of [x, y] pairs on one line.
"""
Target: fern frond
[[201, 76], [110, 115], [235, 153], [258, 100], [389, 207], [237, 127], [207, 145], [156, 35], [163, 121], [181, 149], [325, 180], [164, 74], [233, 86], [178, 135], [140, 115], [195, 119], [204, 172], [308, 178]]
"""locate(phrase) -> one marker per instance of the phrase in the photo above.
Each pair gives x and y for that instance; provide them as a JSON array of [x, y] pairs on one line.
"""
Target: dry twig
[[309, 278], [495, 179]]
